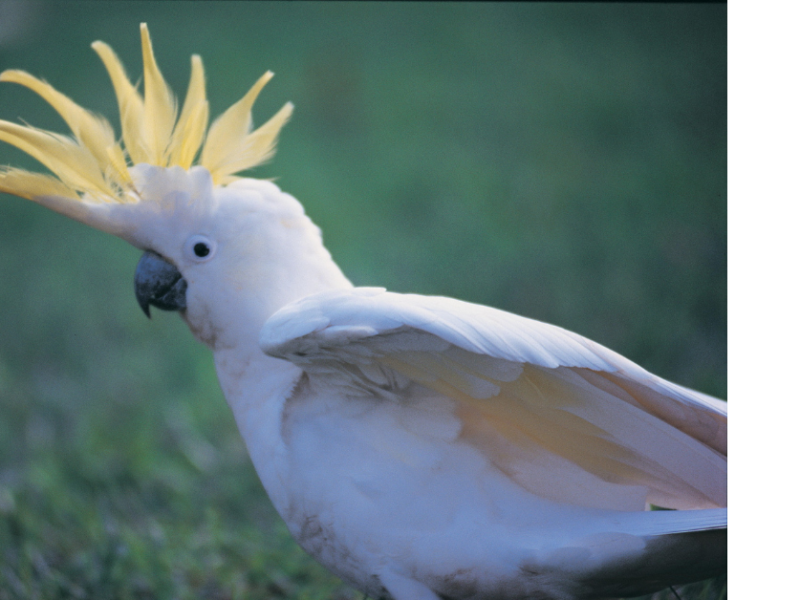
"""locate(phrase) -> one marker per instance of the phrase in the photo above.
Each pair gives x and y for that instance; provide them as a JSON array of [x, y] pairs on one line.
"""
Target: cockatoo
[[419, 447]]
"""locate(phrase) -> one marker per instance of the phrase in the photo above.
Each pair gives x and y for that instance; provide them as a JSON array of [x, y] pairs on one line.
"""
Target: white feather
[[510, 445]]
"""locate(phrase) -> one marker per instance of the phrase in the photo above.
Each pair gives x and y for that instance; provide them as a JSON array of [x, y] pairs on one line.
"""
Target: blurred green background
[[566, 162]]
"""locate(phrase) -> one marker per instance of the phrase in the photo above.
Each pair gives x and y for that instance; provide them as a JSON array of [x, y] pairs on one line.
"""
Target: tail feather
[[672, 559], [655, 550]]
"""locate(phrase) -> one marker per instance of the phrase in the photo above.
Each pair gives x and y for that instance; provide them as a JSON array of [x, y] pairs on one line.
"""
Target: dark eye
[[201, 250]]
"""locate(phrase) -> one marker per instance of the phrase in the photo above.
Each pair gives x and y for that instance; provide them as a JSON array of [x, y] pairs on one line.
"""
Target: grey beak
[[158, 282]]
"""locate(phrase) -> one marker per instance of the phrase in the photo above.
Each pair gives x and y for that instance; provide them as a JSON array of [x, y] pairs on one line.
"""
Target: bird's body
[[382, 492], [407, 492], [419, 447]]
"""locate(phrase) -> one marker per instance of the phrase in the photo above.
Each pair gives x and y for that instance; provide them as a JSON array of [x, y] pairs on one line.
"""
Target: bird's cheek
[[200, 321]]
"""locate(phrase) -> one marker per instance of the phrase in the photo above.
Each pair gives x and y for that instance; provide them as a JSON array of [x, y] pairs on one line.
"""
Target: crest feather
[[159, 106], [95, 164], [33, 185], [71, 162], [191, 127], [130, 102], [92, 131], [230, 147]]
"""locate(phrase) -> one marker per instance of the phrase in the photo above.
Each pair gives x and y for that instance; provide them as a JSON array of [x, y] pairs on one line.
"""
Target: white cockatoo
[[419, 447]]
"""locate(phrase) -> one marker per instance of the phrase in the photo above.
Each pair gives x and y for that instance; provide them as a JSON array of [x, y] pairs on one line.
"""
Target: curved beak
[[158, 282]]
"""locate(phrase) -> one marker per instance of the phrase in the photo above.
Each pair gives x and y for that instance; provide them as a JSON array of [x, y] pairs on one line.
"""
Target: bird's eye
[[200, 248]]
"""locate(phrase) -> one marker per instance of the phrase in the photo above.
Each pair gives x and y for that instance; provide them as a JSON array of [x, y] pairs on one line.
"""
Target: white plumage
[[463, 433], [419, 447]]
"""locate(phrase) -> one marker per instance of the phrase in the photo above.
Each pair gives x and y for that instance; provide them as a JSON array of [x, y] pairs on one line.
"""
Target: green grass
[[564, 162]]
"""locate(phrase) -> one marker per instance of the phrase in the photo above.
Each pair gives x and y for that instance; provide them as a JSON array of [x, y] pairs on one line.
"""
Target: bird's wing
[[566, 418]]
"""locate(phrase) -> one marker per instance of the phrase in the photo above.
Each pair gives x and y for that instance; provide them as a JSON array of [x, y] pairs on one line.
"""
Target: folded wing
[[566, 418]]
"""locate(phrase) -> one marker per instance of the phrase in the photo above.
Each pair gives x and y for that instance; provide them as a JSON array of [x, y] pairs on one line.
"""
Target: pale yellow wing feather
[[564, 417], [559, 411], [709, 427]]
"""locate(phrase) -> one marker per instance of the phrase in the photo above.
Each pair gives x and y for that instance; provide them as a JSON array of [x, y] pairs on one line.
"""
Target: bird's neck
[[254, 384], [255, 387]]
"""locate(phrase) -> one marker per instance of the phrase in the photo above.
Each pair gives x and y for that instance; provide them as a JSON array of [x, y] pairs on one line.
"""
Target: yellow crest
[[95, 165]]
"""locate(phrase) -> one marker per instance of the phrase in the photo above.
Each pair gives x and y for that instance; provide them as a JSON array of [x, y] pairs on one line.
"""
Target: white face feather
[[259, 249]]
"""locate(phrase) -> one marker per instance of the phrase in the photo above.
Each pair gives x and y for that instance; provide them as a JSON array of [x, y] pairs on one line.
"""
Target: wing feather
[[566, 418]]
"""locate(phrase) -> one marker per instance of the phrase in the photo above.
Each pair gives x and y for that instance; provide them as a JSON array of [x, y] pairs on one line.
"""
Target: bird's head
[[222, 249]]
